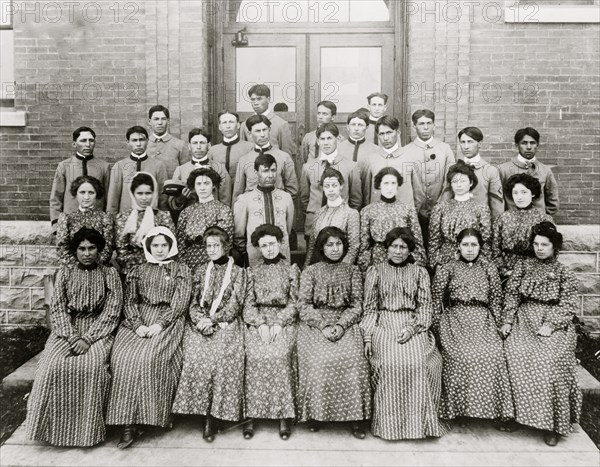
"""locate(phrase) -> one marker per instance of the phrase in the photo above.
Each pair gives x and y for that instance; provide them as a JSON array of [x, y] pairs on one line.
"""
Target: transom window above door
[[311, 11]]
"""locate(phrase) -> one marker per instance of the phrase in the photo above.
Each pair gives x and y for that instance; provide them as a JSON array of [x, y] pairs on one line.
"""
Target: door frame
[[219, 31]]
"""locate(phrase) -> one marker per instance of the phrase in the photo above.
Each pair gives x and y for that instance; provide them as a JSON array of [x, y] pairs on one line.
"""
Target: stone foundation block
[[26, 318], [4, 276], [29, 277], [580, 237], [11, 255], [579, 262], [589, 283], [12, 298], [591, 305], [37, 299], [40, 256]]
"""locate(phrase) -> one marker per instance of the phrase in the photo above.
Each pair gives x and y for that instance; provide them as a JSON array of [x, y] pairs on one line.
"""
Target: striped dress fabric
[[146, 369], [212, 379], [271, 368], [407, 378], [333, 376], [376, 220], [467, 301], [68, 399], [69, 224]]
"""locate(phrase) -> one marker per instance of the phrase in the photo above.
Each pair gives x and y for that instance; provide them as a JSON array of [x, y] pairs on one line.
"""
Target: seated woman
[[132, 226], [212, 379], [333, 372], [337, 213], [467, 306], [270, 314], [379, 217], [67, 403], [195, 219], [86, 190], [146, 358], [510, 237], [406, 365], [448, 218], [541, 298]]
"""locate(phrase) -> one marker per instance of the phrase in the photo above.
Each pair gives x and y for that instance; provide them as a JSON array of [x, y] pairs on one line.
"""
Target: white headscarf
[[148, 220], [160, 230]]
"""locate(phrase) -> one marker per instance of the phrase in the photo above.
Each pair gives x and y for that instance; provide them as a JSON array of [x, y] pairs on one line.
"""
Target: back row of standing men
[[372, 144]]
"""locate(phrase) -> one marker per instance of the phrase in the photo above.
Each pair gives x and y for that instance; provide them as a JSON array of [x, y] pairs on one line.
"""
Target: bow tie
[[200, 163]]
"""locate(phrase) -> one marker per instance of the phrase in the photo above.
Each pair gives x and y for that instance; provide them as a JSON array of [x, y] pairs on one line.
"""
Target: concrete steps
[[476, 445]]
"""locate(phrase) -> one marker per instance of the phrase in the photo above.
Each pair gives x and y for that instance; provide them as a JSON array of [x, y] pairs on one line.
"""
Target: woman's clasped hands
[[148, 331]]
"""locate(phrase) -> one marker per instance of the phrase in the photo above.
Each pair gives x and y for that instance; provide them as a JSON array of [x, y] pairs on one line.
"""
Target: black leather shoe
[[285, 428], [209, 429], [313, 426], [127, 437], [551, 438], [248, 430], [357, 430]]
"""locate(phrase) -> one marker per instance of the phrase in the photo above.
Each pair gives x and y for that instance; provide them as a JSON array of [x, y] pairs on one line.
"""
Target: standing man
[[527, 141], [281, 134], [432, 159], [377, 105], [357, 147], [326, 110], [312, 197], [388, 154], [81, 163], [119, 199], [488, 191], [162, 145], [265, 204], [199, 145], [246, 179], [229, 152]]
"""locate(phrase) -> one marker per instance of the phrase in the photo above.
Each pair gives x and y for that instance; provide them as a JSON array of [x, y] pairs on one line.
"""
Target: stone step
[[476, 445]]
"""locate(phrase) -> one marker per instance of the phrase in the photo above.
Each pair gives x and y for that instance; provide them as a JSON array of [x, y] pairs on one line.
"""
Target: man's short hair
[[329, 105], [389, 121], [83, 129], [227, 112], [330, 127], [280, 107], [422, 113], [260, 90], [472, 132], [358, 114], [528, 131], [198, 131], [264, 159], [136, 129], [158, 108], [255, 120], [377, 94]]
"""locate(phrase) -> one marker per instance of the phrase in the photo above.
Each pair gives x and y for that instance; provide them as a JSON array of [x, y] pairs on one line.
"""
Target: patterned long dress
[[128, 254], [376, 220], [68, 399], [212, 378], [69, 224], [510, 237], [343, 217], [407, 378], [333, 376], [271, 369], [448, 218], [193, 222], [146, 370], [542, 369], [467, 304]]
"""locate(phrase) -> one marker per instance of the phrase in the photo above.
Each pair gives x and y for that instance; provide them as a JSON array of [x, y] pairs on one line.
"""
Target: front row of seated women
[[274, 343]]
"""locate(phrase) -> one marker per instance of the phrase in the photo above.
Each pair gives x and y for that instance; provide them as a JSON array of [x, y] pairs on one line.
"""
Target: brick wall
[[522, 74], [100, 64]]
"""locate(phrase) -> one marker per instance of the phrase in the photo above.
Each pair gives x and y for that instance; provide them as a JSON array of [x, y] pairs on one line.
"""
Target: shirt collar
[[141, 157], [391, 150], [428, 143], [165, 138], [356, 141], [475, 161], [203, 161], [337, 203], [526, 162], [329, 157], [81, 157], [235, 138]]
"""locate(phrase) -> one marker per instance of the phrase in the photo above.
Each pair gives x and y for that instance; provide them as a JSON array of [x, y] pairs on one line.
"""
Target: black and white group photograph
[[300, 233]]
